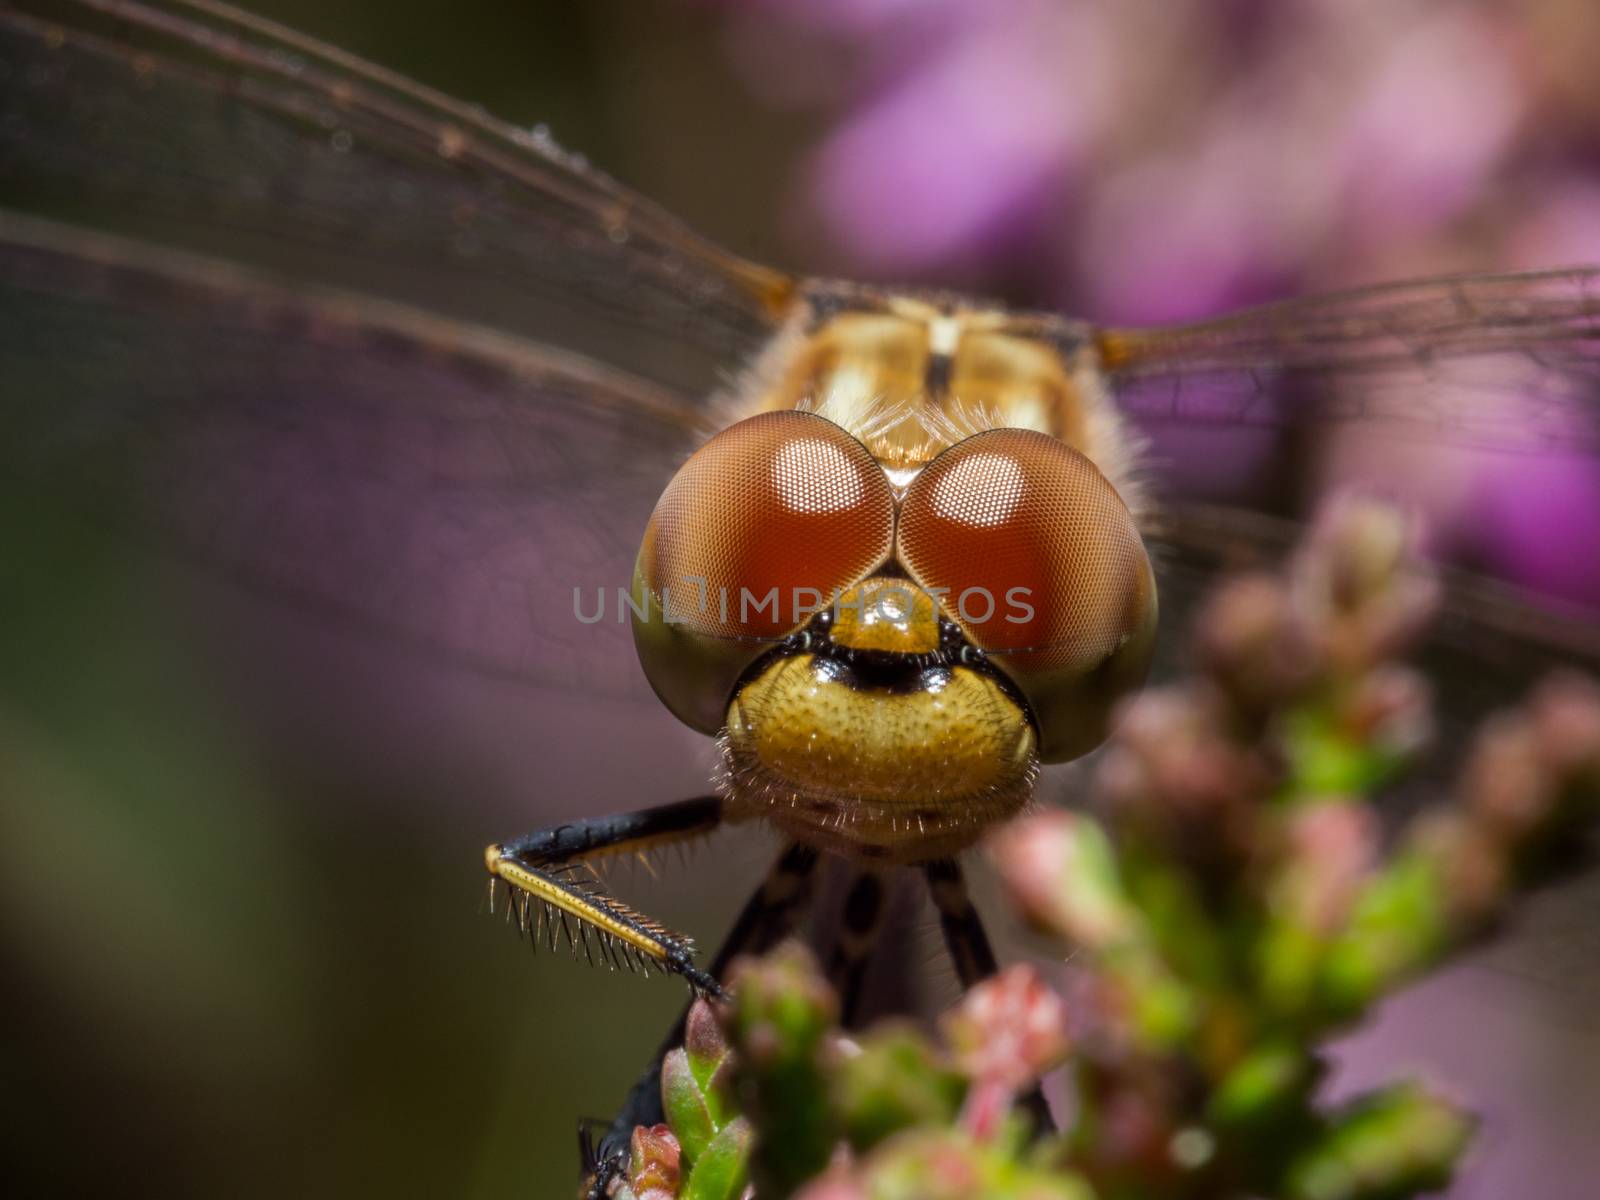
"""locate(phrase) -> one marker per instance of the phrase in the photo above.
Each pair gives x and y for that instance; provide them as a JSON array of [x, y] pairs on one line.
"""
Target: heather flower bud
[[703, 1039], [836, 1185], [1390, 711], [1565, 711], [653, 1164], [1172, 760], [1469, 861], [1507, 785], [1358, 577], [1061, 873], [1330, 848], [1175, 780], [1359, 544], [781, 1006], [1255, 643], [926, 1164], [1010, 1029]]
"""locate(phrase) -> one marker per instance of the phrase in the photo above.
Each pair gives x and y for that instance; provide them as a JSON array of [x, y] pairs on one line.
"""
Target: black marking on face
[[887, 672]]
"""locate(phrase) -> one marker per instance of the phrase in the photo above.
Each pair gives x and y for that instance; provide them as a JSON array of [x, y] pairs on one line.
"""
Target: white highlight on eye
[[809, 475], [981, 489]]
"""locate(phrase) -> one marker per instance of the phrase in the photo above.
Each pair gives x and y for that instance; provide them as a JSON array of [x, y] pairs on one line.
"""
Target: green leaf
[[1394, 1143], [1270, 1078], [685, 1103], [1326, 761], [723, 1166], [1397, 927]]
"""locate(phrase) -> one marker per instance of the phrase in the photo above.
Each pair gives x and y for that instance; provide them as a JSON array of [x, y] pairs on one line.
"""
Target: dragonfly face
[[902, 580], [354, 343]]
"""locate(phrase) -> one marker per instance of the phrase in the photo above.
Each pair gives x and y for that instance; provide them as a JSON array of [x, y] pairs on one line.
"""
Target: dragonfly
[[291, 316]]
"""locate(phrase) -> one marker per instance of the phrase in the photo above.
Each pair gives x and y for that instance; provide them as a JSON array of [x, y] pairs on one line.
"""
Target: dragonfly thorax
[[910, 377]]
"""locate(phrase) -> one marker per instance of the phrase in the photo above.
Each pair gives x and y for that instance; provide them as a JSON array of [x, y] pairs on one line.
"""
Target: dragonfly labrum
[[896, 551]]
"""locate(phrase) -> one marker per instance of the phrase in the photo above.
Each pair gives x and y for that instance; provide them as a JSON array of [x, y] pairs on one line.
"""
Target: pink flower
[[1008, 1030]]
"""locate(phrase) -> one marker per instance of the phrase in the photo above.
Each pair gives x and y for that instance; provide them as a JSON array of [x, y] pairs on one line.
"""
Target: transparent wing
[[1509, 361], [1491, 640], [194, 125], [425, 476]]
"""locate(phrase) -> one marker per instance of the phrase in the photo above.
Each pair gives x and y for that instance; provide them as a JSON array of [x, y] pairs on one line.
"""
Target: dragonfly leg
[[858, 932], [964, 934], [969, 947], [554, 892], [764, 921]]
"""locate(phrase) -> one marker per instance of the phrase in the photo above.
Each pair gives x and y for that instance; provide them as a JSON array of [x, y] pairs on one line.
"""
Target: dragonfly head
[[887, 663]]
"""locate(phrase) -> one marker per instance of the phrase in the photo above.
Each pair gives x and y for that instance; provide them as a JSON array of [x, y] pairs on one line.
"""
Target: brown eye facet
[[1036, 557], [761, 527]]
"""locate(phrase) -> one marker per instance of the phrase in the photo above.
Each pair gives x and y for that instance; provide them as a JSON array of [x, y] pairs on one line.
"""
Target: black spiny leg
[[858, 932], [765, 919], [969, 947], [554, 894]]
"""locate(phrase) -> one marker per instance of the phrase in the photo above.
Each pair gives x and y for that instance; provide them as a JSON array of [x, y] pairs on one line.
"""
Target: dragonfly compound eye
[[760, 529], [1037, 559]]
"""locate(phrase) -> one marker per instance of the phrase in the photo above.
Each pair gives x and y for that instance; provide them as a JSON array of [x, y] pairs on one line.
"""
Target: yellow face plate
[[876, 773]]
